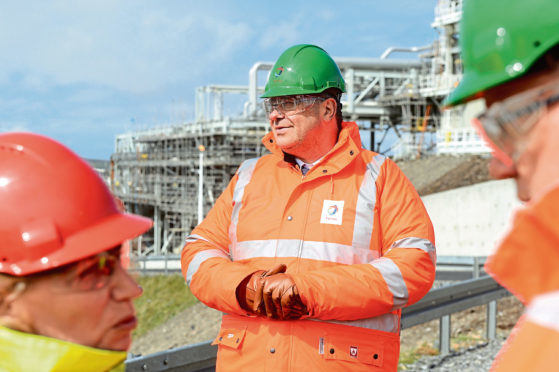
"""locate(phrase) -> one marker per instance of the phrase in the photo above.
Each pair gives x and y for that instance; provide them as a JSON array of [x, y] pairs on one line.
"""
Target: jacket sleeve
[[401, 276], [205, 260], [532, 344]]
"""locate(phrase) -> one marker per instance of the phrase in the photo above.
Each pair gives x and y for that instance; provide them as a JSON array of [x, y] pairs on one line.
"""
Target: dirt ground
[[429, 174], [196, 324], [467, 327], [441, 173]]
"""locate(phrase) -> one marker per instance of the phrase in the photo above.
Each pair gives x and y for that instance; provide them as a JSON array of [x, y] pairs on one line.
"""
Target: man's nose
[[126, 287], [275, 114], [499, 170]]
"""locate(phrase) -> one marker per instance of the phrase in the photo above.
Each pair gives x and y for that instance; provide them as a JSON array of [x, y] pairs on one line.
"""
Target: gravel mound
[[440, 173]]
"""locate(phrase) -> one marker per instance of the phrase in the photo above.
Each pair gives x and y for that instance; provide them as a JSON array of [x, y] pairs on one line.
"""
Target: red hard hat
[[54, 208]]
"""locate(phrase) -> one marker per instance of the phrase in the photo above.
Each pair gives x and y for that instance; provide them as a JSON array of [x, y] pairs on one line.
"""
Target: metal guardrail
[[190, 358], [459, 267], [152, 264], [437, 304], [448, 267]]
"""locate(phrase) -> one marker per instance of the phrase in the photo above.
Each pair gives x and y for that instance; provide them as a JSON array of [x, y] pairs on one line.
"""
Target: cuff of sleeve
[[305, 295], [220, 293]]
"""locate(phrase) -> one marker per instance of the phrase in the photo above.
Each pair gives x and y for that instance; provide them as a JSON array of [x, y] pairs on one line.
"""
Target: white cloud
[[128, 45], [83, 71], [326, 14], [281, 34], [13, 127]]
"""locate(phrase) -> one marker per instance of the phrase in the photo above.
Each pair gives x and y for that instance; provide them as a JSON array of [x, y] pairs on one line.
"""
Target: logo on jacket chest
[[332, 212]]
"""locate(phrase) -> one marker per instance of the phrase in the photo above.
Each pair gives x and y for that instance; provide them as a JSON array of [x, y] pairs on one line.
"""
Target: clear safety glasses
[[95, 272], [508, 121], [291, 105], [91, 273]]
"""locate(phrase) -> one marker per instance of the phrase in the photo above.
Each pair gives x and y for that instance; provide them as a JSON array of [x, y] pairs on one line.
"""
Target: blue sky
[[83, 71]]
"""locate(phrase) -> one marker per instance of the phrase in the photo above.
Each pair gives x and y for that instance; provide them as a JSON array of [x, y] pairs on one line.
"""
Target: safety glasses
[[89, 274], [96, 272], [506, 122], [291, 105]]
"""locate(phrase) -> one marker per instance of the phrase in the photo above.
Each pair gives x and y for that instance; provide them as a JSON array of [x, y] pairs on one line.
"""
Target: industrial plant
[[174, 174]]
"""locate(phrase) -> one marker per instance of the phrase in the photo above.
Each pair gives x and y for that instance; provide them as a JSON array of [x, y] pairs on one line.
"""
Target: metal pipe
[[342, 62], [393, 49], [253, 85], [375, 63], [201, 148]]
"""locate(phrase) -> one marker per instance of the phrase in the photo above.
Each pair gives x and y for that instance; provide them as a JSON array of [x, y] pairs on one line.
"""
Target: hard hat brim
[[107, 234]]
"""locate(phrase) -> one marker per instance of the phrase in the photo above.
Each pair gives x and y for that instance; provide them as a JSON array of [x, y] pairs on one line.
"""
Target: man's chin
[[286, 146], [117, 343]]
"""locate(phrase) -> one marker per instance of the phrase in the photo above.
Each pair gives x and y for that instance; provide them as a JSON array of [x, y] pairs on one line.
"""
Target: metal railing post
[[475, 272], [491, 327], [444, 335]]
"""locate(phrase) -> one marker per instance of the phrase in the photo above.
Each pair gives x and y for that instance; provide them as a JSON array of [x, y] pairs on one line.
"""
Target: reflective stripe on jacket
[[526, 263], [356, 240]]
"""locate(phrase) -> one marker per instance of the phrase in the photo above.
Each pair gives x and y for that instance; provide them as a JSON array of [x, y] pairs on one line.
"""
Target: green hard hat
[[500, 40], [303, 69]]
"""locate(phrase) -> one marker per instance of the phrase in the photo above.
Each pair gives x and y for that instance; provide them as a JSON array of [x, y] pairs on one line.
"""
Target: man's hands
[[271, 293], [281, 298], [249, 292]]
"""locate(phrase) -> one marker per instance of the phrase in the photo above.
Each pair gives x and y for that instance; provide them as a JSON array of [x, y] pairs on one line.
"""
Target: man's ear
[[11, 316], [330, 107]]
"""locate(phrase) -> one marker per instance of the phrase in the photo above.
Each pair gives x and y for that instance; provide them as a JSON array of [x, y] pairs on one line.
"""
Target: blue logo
[[278, 72], [332, 210]]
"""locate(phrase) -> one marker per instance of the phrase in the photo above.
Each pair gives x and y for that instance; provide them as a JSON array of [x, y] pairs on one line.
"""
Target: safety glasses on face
[[508, 121], [89, 274], [291, 105]]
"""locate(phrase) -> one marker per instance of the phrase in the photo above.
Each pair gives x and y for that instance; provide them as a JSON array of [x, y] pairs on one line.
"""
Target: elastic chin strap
[[495, 150]]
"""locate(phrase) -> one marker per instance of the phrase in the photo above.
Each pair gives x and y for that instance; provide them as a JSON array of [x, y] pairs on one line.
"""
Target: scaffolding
[[158, 172]]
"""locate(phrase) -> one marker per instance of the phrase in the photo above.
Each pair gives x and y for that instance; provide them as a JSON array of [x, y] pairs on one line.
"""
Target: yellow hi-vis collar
[[27, 352]]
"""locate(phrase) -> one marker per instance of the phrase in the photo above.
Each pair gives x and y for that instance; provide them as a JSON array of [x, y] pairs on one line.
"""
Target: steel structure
[[157, 172]]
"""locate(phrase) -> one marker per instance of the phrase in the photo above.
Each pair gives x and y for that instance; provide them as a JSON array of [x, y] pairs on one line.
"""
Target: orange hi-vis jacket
[[527, 264], [356, 240]]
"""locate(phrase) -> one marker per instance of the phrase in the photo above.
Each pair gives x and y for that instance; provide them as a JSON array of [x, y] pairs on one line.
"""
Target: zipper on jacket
[[300, 250]]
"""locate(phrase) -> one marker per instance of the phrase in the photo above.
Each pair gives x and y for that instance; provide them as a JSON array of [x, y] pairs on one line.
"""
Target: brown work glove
[[249, 292], [281, 298]]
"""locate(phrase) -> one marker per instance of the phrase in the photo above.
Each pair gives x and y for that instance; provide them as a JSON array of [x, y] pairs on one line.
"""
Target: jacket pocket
[[230, 337], [374, 349]]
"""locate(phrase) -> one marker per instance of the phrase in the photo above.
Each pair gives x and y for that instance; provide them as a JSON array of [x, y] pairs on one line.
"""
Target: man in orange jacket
[[312, 250], [511, 58]]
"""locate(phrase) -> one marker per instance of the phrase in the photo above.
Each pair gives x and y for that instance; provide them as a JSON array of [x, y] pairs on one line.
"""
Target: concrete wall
[[469, 221]]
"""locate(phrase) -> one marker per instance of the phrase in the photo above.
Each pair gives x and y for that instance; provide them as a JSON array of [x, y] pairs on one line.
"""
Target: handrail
[[441, 302], [448, 267]]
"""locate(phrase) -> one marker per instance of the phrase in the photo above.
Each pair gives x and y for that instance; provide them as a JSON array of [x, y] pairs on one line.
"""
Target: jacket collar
[[21, 351], [344, 151]]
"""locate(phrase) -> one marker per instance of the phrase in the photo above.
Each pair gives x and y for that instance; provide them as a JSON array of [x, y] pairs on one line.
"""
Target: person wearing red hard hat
[[65, 299]]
